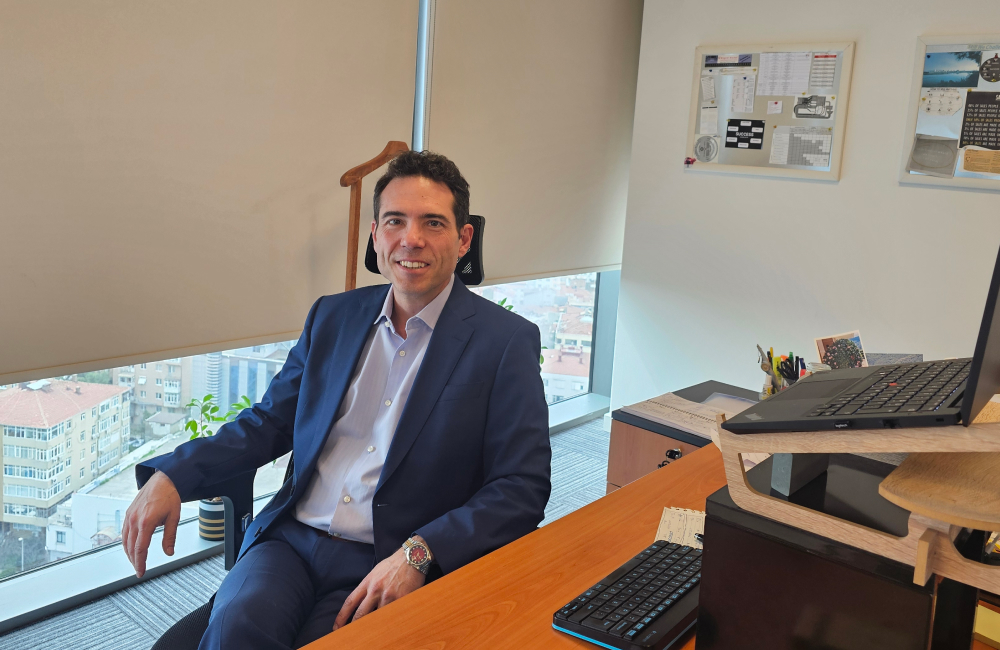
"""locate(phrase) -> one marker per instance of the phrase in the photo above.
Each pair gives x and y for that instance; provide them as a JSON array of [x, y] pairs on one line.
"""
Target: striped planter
[[212, 520]]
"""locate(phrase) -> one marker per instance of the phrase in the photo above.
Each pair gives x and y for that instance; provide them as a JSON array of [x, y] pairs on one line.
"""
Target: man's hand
[[391, 578], [157, 503]]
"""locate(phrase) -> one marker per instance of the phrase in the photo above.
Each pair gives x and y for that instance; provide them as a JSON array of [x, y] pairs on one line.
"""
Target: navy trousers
[[287, 590]]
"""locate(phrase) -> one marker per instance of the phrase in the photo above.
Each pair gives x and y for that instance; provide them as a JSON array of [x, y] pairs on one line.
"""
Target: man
[[419, 427]]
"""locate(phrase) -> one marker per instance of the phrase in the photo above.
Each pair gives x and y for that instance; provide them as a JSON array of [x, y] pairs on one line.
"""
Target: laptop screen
[[984, 376]]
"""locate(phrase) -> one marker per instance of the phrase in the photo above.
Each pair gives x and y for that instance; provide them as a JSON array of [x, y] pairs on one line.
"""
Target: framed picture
[[952, 136], [770, 110]]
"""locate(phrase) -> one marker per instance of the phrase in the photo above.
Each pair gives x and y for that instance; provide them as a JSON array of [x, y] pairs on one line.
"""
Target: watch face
[[418, 555], [990, 69]]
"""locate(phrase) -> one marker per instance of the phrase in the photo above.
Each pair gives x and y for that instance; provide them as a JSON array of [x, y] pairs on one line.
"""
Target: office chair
[[237, 494]]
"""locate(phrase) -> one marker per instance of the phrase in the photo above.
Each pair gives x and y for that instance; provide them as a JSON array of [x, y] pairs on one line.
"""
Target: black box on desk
[[771, 586]]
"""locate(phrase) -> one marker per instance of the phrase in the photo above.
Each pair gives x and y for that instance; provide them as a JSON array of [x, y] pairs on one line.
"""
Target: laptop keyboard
[[631, 599], [904, 388]]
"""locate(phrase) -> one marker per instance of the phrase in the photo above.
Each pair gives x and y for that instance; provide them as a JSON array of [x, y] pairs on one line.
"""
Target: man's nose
[[413, 236]]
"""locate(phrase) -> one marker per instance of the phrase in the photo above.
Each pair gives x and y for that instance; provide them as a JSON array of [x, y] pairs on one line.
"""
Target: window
[[563, 308], [159, 367], [40, 475], [142, 366], [60, 537]]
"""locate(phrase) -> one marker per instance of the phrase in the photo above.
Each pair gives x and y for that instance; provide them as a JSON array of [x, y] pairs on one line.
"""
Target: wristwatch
[[417, 555]]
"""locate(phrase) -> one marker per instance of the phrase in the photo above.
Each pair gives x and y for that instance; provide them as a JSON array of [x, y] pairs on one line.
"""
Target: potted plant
[[212, 512]]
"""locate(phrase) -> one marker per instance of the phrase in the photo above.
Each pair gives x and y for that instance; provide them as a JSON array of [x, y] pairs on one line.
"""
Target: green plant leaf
[[193, 436], [191, 425]]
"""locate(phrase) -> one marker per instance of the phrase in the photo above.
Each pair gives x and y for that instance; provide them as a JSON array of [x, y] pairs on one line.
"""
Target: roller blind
[[534, 102], [169, 170]]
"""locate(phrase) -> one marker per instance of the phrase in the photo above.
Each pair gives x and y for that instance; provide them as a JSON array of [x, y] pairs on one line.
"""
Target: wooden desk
[[506, 599]]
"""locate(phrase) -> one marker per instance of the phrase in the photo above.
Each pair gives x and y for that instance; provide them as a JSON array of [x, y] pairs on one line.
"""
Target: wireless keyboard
[[648, 602]]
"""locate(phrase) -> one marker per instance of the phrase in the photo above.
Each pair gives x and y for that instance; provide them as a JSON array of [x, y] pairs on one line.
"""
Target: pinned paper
[[679, 525], [773, 108], [709, 120], [708, 88], [743, 93]]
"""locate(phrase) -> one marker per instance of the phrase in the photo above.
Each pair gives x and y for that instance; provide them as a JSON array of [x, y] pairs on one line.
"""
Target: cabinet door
[[635, 452]]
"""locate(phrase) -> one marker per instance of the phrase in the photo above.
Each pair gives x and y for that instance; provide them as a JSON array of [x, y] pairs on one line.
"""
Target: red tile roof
[[570, 322], [576, 365], [57, 402]]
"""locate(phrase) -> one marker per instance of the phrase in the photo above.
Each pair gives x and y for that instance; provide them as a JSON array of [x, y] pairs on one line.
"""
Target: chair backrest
[[470, 268]]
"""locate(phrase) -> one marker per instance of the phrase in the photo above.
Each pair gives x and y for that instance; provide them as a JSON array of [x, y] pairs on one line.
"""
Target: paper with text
[[679, 525]]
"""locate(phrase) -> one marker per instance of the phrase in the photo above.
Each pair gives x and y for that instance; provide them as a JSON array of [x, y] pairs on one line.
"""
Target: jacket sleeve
[[516, 464], [258, 434]]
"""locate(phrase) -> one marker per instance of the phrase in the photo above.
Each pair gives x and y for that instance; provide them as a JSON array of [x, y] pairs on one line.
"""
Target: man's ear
[[465, 236]]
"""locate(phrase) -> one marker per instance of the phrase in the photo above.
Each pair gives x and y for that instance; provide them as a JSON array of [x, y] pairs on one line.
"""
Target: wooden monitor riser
[[928, 546]]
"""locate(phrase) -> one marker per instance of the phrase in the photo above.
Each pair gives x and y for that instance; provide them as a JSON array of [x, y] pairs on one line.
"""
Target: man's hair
[[432, 166]]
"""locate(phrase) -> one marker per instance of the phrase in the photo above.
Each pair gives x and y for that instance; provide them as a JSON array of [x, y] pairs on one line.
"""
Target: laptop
[[928, 394]]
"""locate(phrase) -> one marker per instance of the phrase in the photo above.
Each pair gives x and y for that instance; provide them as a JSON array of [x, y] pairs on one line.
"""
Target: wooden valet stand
[[950, 481], [352, 178]]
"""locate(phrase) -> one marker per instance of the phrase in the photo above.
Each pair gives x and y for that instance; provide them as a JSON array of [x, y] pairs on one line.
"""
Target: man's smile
[[412, 264]]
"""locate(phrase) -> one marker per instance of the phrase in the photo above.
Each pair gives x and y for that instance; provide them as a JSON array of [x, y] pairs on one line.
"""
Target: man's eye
[[434, 223], [392, 222]]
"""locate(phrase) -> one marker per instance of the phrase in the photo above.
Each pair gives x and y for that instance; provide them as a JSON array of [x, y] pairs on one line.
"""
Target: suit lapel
[[446, 346], [337, 374]]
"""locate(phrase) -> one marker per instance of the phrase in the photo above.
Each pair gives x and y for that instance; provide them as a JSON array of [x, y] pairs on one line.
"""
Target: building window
[[81, 472], [159, 382], [159, 396], [142, 393], [159, 367], [60, 537], [142, 366]]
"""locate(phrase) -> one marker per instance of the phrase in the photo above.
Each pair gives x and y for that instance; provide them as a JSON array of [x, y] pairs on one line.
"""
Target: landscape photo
[[952, 69]]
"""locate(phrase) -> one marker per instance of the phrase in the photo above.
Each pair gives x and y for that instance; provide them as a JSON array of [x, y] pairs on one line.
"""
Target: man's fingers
[[368, 605], [143, 537], [350, 605], [170, 533]]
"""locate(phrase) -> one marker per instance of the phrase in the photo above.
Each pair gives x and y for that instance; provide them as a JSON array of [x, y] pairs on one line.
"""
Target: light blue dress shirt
[[339, 496]]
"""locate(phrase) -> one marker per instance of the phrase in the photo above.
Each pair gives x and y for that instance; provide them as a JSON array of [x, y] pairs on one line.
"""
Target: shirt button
[[388, 402], [347, 499], [371, 449], [402, 353]]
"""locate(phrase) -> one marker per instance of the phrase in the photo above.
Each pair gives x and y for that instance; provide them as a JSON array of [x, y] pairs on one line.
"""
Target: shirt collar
[[428, 315]]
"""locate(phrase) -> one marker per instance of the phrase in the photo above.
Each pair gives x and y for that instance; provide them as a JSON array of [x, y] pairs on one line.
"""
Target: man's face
[[415, 238]]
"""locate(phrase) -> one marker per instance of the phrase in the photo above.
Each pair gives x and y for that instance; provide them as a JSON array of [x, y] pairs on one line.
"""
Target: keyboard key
[[599, 615], [583, 613], [564, 613], [605, 625], [619, 629]]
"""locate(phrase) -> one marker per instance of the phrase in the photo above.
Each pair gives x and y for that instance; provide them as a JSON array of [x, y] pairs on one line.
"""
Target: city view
[[70, 443]]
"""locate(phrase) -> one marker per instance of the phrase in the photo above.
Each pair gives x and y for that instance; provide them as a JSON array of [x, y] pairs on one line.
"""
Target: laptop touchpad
[[818, 389]]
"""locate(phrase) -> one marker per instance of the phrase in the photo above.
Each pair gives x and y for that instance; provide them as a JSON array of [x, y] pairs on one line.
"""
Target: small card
[[679, 525]]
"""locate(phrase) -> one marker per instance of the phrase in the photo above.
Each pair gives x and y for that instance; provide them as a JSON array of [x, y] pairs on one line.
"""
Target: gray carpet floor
[[132, 619]]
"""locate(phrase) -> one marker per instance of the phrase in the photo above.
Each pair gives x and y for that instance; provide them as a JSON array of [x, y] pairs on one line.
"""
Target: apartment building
[[163, 386], [58, 436]]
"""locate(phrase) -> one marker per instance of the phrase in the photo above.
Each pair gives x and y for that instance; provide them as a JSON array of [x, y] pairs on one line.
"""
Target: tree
[[95, 377]]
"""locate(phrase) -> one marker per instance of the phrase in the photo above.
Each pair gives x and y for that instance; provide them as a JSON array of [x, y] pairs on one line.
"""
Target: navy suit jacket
[[469, 465]]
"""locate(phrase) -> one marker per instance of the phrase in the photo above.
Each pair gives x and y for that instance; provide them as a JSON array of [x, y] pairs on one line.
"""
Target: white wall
[[714, 264]]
